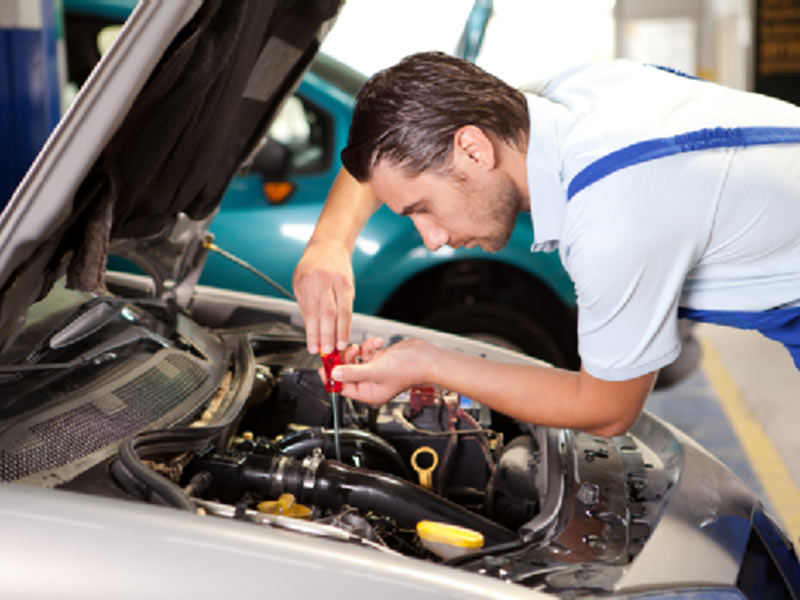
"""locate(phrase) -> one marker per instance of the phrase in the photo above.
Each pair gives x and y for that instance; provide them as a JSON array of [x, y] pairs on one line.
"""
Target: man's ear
[[473, 148]]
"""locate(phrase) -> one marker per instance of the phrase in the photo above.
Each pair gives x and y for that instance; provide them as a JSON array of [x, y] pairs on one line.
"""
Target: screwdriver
[[334, 388]]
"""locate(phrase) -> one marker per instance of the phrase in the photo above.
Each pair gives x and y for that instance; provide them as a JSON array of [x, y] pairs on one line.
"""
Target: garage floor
[[743, 405]]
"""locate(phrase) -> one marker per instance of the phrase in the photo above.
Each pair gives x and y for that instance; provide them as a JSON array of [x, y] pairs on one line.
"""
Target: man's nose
[[433, 236]]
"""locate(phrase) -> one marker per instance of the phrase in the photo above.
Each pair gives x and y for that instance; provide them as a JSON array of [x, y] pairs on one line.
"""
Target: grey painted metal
[[60, 544], [702, 534]]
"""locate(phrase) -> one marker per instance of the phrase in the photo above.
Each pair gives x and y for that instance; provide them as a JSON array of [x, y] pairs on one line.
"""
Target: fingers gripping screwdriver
[[334, 388]]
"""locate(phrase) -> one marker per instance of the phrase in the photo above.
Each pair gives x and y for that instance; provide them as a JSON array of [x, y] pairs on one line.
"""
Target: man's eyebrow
[[412, 208]]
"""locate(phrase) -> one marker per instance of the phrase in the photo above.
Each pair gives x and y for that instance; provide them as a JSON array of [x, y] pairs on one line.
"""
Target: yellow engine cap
[[285, 505], [453, 535]]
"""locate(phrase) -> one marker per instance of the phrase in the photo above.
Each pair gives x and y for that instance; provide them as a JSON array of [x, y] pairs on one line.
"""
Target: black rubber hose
[[517, 467], [333, 485], [159, 489], [302, 443], [138, 478]]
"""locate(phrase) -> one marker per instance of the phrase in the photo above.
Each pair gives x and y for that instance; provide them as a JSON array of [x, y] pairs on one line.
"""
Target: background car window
[[305, 130]]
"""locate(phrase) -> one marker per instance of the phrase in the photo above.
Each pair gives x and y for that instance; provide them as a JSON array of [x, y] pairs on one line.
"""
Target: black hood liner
[[203, 109], [190, 127]]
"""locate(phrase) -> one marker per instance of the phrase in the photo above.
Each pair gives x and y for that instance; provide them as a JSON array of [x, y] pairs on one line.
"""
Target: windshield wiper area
[[101, 311], [85, 324], [97, 354]]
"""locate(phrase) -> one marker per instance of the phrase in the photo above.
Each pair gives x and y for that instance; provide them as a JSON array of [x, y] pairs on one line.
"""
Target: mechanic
[[665, 196]]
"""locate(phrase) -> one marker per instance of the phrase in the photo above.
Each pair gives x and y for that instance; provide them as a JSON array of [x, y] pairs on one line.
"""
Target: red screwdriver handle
[[328, 362]]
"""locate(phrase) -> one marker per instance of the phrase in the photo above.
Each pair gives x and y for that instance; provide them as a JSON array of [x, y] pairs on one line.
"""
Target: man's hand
[[383, 373], [323, 279], [323, 285]]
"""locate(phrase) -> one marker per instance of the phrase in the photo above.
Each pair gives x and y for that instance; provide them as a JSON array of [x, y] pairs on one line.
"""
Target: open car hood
[[141, 160]]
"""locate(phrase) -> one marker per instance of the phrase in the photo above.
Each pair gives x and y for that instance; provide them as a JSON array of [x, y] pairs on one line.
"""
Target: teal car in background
[[513, 298]]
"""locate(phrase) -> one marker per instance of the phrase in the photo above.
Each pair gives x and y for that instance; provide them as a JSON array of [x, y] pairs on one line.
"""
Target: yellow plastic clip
[[285, 505]]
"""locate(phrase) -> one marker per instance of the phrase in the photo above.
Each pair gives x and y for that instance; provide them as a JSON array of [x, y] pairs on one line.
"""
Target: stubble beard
[[501, 211], [494, 209]]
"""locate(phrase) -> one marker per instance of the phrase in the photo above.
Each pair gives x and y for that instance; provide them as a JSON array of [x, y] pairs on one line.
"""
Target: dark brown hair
[[408, 113]]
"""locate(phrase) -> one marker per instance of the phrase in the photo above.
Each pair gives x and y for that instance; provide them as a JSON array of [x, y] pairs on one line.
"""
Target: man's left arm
[[537, 394], [547, 396]]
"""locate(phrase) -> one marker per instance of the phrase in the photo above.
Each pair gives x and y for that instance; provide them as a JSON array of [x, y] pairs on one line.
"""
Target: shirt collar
[[548, 197]]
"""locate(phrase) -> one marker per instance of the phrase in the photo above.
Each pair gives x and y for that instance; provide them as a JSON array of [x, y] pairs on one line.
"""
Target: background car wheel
[[499, 325], [491, 301]]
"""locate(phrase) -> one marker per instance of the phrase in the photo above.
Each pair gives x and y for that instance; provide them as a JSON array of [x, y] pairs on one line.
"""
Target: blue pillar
[[30, 86]]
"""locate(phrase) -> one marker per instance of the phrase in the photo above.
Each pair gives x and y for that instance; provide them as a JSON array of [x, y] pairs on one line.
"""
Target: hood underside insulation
[[202, 112]]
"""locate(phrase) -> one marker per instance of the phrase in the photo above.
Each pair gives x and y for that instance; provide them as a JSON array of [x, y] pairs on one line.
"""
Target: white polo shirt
[[713, 229]]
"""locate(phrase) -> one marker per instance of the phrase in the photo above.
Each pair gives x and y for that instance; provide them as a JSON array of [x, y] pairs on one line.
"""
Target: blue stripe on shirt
[[692, 141]]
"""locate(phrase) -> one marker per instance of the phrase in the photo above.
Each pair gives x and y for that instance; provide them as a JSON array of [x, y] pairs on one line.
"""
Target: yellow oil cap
[[285, 505], [448, 540]]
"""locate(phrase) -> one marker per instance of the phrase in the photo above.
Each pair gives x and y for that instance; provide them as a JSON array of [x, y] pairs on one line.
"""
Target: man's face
[[452, 209]]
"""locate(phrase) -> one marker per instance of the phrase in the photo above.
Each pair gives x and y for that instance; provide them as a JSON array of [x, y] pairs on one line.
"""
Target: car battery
[[453, 427]]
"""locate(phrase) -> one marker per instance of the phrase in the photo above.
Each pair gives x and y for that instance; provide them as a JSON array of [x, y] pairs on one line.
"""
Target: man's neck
[[515, 160]]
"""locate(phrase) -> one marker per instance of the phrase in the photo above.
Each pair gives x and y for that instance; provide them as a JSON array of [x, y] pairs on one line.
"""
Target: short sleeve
[[629, 243]]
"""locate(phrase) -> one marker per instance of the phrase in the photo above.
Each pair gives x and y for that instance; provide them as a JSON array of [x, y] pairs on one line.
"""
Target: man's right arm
[[323, 279]]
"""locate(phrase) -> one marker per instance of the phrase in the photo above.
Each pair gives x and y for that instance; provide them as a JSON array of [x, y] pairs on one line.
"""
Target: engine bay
[[428, 455], [222, 412]]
